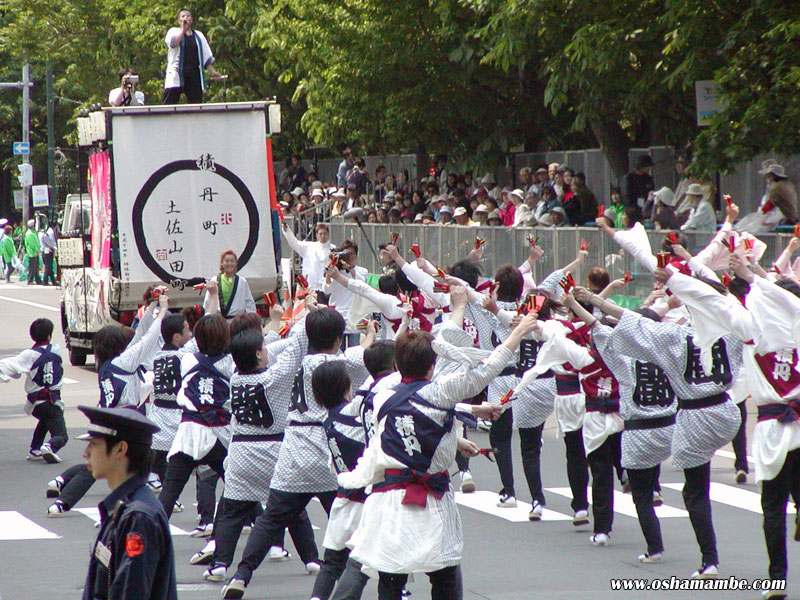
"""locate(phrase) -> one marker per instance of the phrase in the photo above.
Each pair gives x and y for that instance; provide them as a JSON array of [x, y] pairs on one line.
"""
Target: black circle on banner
[[190, 165]]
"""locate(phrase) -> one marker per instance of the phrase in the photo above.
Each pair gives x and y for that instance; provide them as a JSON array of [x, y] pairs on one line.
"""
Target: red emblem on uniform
[[134, 544]]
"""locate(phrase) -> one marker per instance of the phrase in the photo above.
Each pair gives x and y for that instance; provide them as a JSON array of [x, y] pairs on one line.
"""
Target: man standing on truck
[[188, 56]]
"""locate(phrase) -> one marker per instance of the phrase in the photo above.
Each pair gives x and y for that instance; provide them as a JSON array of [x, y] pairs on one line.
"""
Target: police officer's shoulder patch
[[134, 544]]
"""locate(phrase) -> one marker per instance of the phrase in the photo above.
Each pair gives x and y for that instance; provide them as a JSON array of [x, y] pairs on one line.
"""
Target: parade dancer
[[414, 446], [203, 433], [123, 357], [302, 470], [43, 371], [164, 410], [260, 406], [601, 424], [648, 406]]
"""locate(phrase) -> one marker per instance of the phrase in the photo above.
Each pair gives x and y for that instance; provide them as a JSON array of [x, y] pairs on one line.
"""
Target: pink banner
[[100, 192]]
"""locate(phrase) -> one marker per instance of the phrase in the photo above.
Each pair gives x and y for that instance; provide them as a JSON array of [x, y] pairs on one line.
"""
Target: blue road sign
[[21, 147]]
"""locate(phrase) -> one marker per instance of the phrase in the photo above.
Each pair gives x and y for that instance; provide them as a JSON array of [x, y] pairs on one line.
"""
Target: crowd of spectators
[[553, 195]]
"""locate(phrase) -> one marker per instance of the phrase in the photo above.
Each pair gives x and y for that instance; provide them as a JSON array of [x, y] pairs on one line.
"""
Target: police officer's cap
[[124, 423]]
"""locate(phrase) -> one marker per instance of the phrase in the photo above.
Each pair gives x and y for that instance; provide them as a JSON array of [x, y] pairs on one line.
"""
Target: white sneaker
[[312, 568], [34, 455], [580, 518], [215, 573], [206, 530], [657, 500], [467, 483], [154, 483], [741, 477], [205, 555], [536, 512], [650, 558], [54, 487], [706, 572], [774, 594], [278, 554], [484, 424], [599, 539], [178, 508], [57, 509], [234, 590], [48, 455], [507, 501]]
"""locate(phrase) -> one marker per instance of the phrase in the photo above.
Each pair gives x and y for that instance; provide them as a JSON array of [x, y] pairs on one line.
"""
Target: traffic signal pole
[[26, 85]]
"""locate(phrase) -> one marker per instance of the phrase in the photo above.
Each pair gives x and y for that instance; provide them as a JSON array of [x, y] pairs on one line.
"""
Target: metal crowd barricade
[[444, 245]]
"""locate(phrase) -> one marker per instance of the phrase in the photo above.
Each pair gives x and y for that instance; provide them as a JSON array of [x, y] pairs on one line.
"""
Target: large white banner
[[187, 187]]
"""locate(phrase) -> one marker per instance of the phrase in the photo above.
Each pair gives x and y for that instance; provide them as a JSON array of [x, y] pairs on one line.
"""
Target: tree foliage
[[471, 78]]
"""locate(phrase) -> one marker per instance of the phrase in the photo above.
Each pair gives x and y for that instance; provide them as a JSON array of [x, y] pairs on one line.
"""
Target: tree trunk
[[614, 144]]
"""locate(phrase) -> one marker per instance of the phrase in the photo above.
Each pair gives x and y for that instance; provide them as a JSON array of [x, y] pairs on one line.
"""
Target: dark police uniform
[[132, 558]]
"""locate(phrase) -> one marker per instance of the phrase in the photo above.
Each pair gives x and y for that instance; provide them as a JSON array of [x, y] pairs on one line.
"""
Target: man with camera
[[339, 297], [188, 57], [126, 94]]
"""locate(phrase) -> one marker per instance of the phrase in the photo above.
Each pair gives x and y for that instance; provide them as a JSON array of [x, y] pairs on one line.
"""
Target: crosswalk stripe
[[13, 526], [94, 514], [68, 381], [487, 502], [732, 496], [732, 456], [623, 504]]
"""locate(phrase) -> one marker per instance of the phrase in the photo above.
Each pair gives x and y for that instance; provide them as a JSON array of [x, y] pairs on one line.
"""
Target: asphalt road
[[505, 558]]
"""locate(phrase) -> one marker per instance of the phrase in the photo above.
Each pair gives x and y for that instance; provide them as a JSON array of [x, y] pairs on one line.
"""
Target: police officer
[[132, 557]]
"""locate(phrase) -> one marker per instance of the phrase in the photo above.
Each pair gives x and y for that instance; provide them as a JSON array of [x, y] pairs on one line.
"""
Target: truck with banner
[[171, 188]]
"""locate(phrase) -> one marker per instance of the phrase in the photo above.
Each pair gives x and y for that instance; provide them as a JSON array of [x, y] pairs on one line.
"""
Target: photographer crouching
[[126, 94]]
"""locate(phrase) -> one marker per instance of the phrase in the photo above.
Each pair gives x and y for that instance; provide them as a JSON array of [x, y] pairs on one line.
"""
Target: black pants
[[206, 490], [577, 469], [159, 466], [445, 585], [739, 442], [643, 484], [9, 270], [51, 419], [333, 566], [33, 270], [233, 515], [48, 269], [601, 463], [698, 503], [530, 441], [462, 462], [500, 439], [352, 582], [77, 481], [191, 87], [774, 497], [282, 508], [180, 468]]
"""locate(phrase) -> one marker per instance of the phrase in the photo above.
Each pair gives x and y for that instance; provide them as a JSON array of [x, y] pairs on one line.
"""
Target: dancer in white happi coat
[[260, 405], [302, 471], [410, 522]]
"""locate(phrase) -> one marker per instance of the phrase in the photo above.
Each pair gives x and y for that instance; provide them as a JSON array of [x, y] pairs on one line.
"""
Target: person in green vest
[[32, 250], [8, 250]]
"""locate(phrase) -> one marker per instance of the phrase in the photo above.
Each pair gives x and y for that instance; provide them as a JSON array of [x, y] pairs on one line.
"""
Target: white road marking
[[68, 381], [731, 455], [94, 514], [732, 496], [29, 303], [623, 504], [13, 526], [486, 502]]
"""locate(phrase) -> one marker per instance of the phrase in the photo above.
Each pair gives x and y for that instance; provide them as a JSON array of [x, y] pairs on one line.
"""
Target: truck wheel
[[77, 357]]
